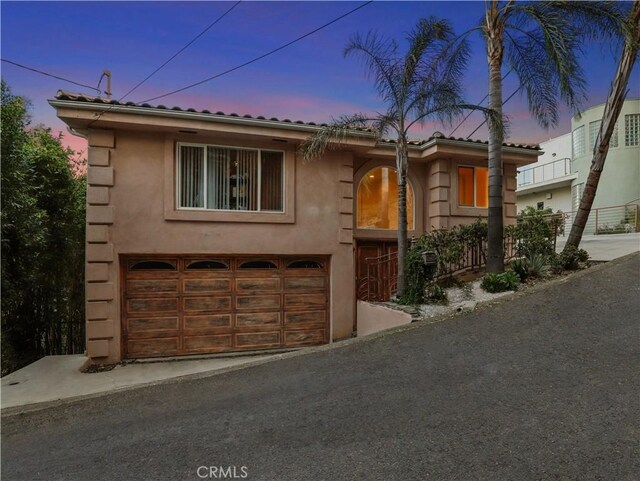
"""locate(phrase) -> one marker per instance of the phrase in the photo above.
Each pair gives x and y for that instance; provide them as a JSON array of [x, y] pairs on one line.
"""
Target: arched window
[[378, 200]]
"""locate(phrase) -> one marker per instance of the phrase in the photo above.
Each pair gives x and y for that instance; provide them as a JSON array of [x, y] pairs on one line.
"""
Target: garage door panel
[[304, 283], [202, 286], [147, 305], [257, 285], [305, 301], [212, 343], [258, 340], [152, 286], [304, 338], [207, 322], [152, 347], [152, 324], [258, 319], [208, 303], [305, 319], [257, 302]]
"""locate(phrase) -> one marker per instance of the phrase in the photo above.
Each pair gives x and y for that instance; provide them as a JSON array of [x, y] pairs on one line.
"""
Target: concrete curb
[[30, 408]]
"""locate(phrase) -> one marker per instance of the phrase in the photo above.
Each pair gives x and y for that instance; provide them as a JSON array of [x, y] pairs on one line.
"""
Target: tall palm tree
[[423, 83], [612, 110], [541, 42]]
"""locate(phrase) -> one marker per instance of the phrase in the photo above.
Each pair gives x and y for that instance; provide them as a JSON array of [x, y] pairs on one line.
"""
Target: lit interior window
[[378, 200], [473, 186]]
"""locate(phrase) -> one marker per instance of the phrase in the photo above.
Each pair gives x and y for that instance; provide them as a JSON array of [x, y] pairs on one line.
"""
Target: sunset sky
[[310, 80]]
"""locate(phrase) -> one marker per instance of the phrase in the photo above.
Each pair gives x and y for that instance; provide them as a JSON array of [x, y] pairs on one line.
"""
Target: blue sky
[[310, 80]]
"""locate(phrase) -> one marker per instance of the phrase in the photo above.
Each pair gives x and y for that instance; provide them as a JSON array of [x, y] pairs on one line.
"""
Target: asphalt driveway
[[545, 386]]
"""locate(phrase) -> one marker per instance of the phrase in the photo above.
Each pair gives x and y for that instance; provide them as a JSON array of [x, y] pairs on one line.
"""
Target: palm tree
[[541, 42], [423, 83], [611, 113]]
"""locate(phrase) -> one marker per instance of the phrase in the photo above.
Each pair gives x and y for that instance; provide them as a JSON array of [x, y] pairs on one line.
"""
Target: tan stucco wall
[[374, 318], [137, 204]]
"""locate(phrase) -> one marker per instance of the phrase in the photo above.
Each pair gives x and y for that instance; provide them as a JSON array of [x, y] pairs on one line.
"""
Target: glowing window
[[378, 200], [473, 186]]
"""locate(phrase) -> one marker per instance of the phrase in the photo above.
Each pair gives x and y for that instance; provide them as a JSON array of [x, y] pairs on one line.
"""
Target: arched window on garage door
[[378, 200]]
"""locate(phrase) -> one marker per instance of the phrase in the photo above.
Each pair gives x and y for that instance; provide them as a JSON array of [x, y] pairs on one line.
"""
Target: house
[[207, 233], [557, 179]]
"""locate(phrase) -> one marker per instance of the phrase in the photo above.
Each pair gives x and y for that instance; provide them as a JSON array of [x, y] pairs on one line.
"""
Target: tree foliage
[[42, 241], [541, 42], [423, 82], [612, 109]]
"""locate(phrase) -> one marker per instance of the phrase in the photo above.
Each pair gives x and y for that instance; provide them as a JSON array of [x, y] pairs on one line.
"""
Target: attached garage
[[182, 305]]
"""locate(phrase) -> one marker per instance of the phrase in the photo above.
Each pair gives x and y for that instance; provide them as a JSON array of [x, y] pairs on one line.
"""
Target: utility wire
[[485, 120], [469, 114], [167, 61], [50, 75], [257, 58], [181, 50]]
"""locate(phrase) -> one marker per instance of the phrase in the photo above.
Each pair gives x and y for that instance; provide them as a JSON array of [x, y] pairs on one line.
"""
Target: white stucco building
[[557, 179]]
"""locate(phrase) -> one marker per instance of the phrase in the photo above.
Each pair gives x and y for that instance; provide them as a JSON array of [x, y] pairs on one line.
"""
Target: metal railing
[[616, 219], [381, 281], [545, 172]]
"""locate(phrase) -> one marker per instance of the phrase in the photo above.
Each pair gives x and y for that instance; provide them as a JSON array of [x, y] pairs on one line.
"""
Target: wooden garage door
[[206, 304]]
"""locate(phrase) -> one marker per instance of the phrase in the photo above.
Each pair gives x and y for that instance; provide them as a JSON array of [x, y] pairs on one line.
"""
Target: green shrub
[[521, 268], [538, 265], [435, 294], [506, 281], [534, 232], [415, 278], [571, 257]]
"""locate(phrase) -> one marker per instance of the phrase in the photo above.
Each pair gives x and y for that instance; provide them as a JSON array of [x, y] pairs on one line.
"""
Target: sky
[[310, 80]]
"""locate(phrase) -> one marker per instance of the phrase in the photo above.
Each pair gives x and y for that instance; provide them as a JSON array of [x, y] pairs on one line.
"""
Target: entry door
[[376, 270]]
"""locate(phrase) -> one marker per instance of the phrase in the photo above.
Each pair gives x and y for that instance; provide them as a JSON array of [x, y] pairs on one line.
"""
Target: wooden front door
[[179, 305], [376, 269]]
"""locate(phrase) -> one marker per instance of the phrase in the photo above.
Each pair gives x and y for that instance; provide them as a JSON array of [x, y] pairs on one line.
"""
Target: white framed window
[[594, 129], [222, 178], [579, 147], [631, 130]]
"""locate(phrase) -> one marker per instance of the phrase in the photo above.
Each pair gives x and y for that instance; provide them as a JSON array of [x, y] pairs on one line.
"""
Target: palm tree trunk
[[611, 113], [495, 35], [401, 163]]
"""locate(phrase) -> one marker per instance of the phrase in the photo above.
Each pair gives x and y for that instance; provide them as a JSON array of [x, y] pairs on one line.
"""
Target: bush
[[521, 268], [435, 294], [571, 257], [506, 281], [534, 232], [415, 278], [538, 266]]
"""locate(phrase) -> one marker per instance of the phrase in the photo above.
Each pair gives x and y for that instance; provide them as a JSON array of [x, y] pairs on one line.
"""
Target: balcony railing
[[545, 172]]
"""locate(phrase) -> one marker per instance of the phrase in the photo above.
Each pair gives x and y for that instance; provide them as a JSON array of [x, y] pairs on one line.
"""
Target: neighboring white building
[[557, 179], [547, 183]]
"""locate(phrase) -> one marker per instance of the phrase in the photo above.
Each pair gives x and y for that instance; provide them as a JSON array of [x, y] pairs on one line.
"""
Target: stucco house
[[557, 179], [207, 233]]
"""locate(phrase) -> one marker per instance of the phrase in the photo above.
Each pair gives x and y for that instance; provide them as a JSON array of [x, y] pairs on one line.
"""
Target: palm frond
[[380, 60], [333, 134], [542, 47]]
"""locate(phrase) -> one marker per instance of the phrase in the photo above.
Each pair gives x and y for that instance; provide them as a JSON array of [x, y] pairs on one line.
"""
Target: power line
[[469, 114], [257, 58], [181, 50], [49, 75], [485, 120], [168, 60]]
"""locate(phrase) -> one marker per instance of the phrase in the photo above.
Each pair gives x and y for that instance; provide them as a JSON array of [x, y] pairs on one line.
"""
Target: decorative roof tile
[[77, 97]]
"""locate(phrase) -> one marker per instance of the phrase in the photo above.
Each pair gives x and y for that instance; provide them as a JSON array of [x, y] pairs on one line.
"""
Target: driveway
[[544, 386]]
